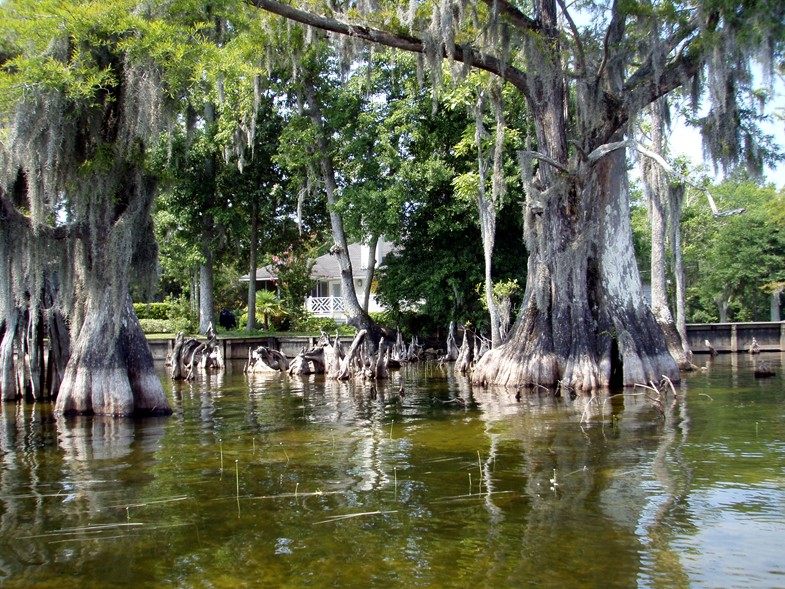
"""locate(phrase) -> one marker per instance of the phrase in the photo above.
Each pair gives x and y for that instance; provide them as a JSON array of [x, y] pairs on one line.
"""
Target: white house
[[325, 299]]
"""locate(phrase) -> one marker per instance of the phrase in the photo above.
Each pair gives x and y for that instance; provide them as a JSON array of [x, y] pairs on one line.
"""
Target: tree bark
[[59, 352], [34, 354], [677, 200], [252, 269], [208, 238], [722, 307], [452, 345], [357, 317], [111, 369], [584, 317], [370, 272], [206, 292], [486, 211], [775, 305], [658, 192], [466, 353], [8, 381]]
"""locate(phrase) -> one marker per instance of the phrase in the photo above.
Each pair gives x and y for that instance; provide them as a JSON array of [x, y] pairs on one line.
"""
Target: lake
[[272, 481]]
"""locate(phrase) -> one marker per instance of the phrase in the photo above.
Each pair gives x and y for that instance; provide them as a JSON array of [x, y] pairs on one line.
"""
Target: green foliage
[[170, 316], [157, 311], [181, 312], [502, 289], [430, 280], [166, 326], [267, 305], [734, 260], [309, 324], [291, 270]]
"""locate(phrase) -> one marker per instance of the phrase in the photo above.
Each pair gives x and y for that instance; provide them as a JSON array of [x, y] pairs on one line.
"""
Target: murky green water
[[275, 482]]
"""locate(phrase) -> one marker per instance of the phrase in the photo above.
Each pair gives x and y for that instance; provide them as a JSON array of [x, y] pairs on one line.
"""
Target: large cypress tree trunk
[[585, 323], [584, 319], [111, 369]]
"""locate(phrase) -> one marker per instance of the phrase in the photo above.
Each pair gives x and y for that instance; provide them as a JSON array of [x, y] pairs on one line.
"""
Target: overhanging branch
[[513, 15], [535, 155], [671, 171], [463, 54], [10, 214]]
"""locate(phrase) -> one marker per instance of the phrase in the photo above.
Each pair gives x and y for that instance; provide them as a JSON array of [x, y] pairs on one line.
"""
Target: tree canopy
[[243, 109], [586, 72]]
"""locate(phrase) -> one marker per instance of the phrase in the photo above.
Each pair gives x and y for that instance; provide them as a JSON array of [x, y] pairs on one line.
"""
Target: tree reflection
[[65, 488], [360, 483]]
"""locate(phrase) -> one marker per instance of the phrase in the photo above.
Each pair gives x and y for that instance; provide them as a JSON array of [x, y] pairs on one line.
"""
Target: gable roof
[[326, 267]]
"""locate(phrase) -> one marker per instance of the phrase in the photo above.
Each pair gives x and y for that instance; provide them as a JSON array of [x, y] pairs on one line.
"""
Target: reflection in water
[[671, 478], [421, 480]]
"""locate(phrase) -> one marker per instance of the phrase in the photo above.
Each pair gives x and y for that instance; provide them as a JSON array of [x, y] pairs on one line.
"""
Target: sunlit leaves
[[734, 260]]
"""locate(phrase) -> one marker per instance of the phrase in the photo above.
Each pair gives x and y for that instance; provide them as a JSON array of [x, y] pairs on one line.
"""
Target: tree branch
[[543, 158], [463, 54], [603, 150], [576, 34], [613, 37], [639, 89], [670, 170], [9, 213], [514, 16]]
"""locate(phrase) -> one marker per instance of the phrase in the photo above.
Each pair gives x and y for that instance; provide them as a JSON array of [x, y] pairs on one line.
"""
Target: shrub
[[152, 310], [311, 324], [179, 310], [165, 325]]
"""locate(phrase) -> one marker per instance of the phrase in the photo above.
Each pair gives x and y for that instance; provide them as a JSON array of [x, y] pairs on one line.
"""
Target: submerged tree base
[[111, 370]]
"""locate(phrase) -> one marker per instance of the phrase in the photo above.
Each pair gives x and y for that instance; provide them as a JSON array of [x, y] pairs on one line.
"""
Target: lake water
[[279, 482]]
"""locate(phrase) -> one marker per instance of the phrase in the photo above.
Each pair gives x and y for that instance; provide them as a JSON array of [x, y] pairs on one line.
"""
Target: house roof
[[326, 267]]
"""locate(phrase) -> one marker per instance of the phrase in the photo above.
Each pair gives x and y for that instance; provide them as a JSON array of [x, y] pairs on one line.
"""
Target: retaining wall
[[725, 337]]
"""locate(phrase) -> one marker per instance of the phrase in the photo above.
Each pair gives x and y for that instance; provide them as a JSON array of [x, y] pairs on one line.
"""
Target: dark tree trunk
[[370, 272], [34, 354], [59, 352], [252, 268], [111, 369], [357, 317]]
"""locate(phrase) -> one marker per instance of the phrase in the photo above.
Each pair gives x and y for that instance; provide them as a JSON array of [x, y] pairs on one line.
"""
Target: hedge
[[164, 325], [155, 311]]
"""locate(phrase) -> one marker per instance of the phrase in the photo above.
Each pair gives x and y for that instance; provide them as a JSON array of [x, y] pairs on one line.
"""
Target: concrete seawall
[[236, 348], [736, 337], [725, 337]]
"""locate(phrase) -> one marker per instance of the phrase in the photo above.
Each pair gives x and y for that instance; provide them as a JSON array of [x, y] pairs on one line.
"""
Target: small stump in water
[[763, 370], [190, 354]]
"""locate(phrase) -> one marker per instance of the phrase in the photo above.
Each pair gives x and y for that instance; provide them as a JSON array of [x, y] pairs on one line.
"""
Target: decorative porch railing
[[325, 305]]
